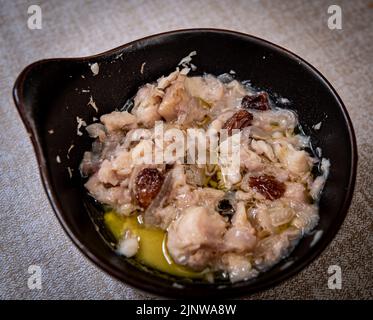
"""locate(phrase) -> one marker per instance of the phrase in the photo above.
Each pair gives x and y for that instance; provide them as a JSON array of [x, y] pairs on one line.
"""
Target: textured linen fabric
[[29, 231]]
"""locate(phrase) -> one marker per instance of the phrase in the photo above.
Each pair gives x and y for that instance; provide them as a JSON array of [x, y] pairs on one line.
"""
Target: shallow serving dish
[[51, 94]]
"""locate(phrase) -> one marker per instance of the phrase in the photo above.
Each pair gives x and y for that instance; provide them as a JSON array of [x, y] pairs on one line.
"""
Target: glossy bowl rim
[[169, 291]]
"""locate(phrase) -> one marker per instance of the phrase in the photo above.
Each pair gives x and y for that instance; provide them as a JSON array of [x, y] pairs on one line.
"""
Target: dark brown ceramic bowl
[[48, 95]]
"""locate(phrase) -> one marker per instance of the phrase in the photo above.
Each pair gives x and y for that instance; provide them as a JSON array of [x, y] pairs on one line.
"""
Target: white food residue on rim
[[81, 123], [318, 152], [68, 151], [95, 68], [316, 237], [142, 67], [319, 182], [187, 60], [317, 126], [283, 100], [92, 103], [70, 172]]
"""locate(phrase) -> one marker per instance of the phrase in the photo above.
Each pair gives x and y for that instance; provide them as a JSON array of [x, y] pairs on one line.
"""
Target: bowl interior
[[51, 94]]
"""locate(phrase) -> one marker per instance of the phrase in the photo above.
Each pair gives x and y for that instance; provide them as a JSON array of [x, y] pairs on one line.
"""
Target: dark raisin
[[268, 186], [239, 120], [148, 182], [169, 166], [258, 101], [225, 208]]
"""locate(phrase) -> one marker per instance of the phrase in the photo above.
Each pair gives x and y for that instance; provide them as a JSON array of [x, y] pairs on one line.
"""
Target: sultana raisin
[[239, 120], [268, 186], [148, 182], [258, 101]]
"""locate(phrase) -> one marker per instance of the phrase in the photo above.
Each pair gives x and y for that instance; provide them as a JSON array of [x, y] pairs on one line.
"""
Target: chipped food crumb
[[92, 103], [51, 131], [58, 159], [316, 238], [142, 67], [317, 126], [81, 123], [283, 100], [70, 172], [95, 68], [187, 60], [318, 152], [68, 151]]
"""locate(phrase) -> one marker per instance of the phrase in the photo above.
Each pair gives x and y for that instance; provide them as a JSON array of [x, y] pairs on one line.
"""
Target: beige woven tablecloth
[[29, 231]]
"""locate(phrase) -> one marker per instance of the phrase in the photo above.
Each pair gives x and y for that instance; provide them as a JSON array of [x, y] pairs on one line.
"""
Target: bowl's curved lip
[[177, 292]]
